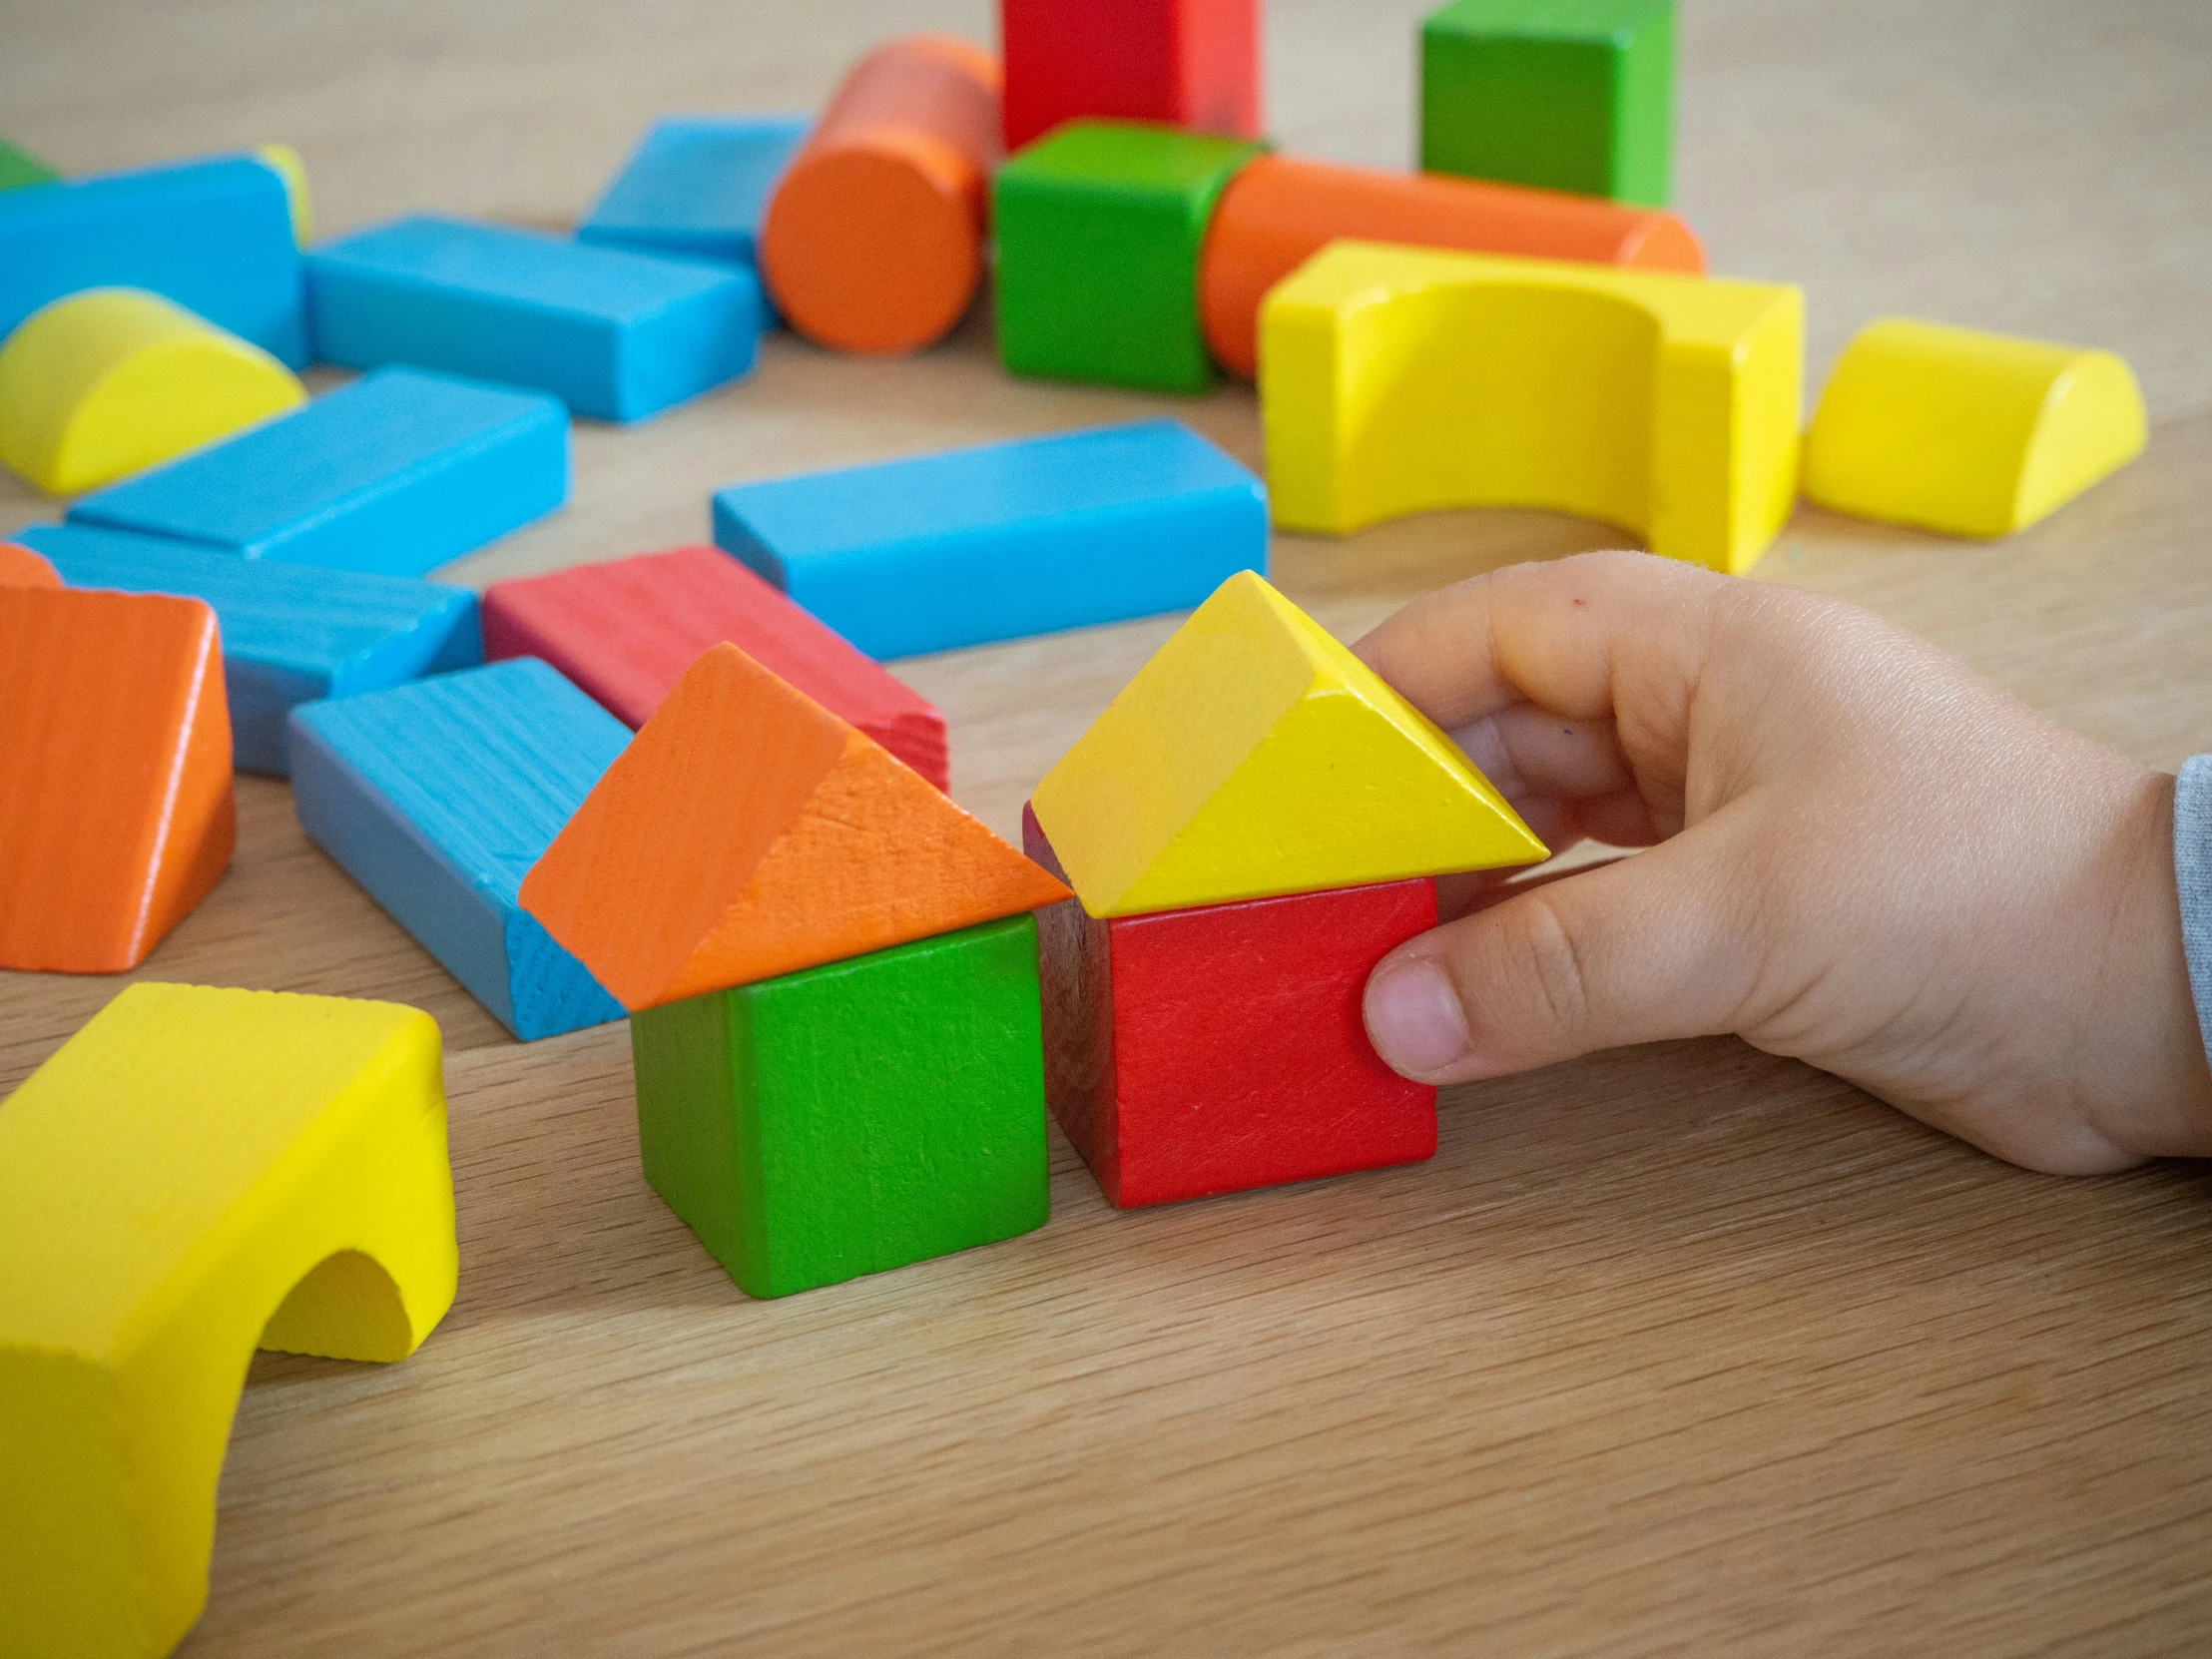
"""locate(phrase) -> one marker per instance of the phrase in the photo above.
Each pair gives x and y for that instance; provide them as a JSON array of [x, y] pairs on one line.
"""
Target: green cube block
[[1566, 94], [20, 166], [856, 1117], [1099, 226]]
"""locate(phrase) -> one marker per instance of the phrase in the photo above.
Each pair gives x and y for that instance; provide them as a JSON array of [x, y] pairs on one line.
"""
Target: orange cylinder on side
[[873, 240], [1278, 212]]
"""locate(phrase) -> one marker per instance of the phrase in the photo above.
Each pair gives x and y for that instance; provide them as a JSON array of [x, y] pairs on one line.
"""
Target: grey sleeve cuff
[[2193, 872]]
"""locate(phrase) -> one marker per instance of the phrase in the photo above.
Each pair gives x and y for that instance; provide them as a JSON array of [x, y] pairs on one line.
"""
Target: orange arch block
[[22, 568]]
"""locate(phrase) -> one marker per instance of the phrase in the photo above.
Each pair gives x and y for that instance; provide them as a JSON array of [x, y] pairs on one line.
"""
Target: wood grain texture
[[1685, 1350]]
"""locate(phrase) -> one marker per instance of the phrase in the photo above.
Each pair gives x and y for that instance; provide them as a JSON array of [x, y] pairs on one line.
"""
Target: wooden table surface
[[1675, 1350]]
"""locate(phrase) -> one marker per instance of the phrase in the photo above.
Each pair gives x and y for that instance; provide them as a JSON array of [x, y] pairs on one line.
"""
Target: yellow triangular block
[[1255, 756]]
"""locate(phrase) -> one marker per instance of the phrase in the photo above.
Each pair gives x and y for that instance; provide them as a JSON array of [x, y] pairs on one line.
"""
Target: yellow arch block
[[195, 1172], [1970, 433], [109, 382], [1255, 756], [1400, 380]]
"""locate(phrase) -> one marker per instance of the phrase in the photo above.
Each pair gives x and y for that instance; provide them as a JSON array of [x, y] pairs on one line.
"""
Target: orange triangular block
[[747, 831], [116, 815]]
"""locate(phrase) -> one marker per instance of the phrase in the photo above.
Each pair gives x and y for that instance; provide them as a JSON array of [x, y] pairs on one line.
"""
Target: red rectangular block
[[1192, 63]]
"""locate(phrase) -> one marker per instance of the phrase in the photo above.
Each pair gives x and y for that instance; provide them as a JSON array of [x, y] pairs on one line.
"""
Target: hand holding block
[[695, 186], [196, 1173], [1189, 63]]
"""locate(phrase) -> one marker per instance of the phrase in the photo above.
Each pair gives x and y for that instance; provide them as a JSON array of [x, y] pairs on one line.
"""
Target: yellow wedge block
[[1255, 756], [109, 381], [1400, 380], [1970, 433], [194, 1174]]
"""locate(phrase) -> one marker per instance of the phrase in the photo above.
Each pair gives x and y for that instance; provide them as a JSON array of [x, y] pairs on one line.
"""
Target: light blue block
[[290, 633], [697, 186], [397, 473], [1006, 540], [215, 235], [438, 796], [614, 335]]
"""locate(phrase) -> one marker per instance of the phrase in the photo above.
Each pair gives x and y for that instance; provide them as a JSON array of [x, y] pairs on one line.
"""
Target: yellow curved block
[[285, 160], [1400, 380], [1970, 433], [195, 1172], [1255, 756], [109, 382]]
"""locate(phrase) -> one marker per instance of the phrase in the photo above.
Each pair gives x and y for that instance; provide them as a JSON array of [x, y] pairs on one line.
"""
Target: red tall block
[[1195, 63]]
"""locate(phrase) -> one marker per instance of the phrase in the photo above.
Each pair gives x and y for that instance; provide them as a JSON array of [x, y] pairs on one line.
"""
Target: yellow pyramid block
[[109, 381], [194, 1174], [1399, 381], [1255, 756], [1970, 433]]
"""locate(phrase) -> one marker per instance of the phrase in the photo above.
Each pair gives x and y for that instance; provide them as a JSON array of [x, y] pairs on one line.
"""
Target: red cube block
[[1192, 63]]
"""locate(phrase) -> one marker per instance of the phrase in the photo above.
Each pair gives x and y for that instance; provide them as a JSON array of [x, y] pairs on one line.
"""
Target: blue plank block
[[215, 235], [438, 796], [614, 335], [1006, 540], [290, 633], [397, 473], [697, 186]]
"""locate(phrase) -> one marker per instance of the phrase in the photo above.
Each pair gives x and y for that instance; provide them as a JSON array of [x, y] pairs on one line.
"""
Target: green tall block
[[1099, 224], [856, 1117], [1567, 93], [20, 166]]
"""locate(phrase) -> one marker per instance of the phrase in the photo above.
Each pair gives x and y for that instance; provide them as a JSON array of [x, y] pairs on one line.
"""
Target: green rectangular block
[[856, 1117], [20, 166], [1571, 95], [1099, 226]]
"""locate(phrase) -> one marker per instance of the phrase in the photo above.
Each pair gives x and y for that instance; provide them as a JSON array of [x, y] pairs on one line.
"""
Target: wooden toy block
[[1278, 212], [747, 832], [1970, 433], [436, 796], [1004, 540], [1189, 63], [1253, 755], [1216, 1049], [116, 815], [1400, 380], [290, 168], [874, 236], [626, 630], [854, 1117], [196, 1174], [213, 236], [111, 381], [18, 167], [1099, 228], [614, 335], [290, 633], [397, 473], [1567, 93], [697, 186], [22, 568]]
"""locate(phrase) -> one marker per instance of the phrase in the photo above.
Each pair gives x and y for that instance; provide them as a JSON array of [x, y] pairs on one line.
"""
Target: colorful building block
[[1253, 755], [294, 171], [290, 633], [196, 1174], [116, 814], [697, 186], [1189, 63], [614, 335], [1099, 228], [873, 240], [397, 473], [1970, 433], [20, 567], [1566, 94], [1004, 540], [18, 167], [437, 796], [626, 630], [1400, 380]]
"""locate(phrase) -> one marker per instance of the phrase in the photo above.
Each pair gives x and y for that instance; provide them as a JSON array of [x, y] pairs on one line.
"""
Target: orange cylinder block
[[1278, 212], [21, 568], [874, 237]]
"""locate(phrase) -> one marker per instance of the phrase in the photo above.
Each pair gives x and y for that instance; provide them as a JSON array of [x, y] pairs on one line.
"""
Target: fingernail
[[1414, 1020]]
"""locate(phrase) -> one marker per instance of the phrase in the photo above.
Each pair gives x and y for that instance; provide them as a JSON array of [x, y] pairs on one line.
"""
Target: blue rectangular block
[[290, 633], [215, 235], [697, 186], [438, 796], [614, 335], [397, 473], [1006, 540]]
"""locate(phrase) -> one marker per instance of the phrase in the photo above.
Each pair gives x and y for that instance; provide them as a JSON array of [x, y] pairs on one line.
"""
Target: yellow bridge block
[[1255, 756], [195, 1172], [1970, 433], [1400, 381], [109, 381]]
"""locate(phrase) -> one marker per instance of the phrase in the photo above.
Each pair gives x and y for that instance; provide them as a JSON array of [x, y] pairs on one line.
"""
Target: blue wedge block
[[697, 186]]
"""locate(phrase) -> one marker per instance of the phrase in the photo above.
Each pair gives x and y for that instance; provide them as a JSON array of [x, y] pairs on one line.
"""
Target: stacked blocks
[[1189, 63], [695, 187]]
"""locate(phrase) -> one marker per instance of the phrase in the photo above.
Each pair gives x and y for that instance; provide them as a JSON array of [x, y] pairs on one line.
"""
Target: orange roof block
[[747, 831], [21, 568], [116, 814]]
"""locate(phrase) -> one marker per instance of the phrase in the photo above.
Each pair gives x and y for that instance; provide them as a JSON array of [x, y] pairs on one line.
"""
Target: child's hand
[[1867, 858]]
